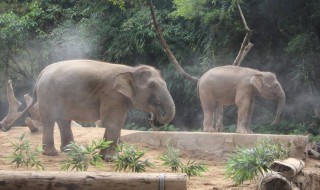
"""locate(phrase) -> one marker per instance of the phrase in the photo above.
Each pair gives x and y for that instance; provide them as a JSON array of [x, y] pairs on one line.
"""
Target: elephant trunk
[[281, 103], [165, 110]]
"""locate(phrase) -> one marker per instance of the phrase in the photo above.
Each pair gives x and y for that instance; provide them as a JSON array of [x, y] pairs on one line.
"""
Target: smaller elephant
[[227, 85], [87, 90]]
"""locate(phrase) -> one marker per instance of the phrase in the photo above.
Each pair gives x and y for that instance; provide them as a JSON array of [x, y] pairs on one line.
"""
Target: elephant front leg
[[113, 124], [250, 112], [243, 108]]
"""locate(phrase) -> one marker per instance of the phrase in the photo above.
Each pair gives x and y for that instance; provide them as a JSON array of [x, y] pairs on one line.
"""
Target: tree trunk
[[27, 180]]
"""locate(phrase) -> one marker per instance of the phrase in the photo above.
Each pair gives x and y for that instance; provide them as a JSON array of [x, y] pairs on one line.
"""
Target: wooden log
[[274, 181], [40, 180], [288, 168]]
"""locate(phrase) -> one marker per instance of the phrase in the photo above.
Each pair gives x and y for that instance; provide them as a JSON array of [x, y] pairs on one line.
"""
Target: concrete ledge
[[215, 144]]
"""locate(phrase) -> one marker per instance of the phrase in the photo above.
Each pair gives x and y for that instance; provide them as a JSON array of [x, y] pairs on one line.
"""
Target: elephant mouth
[[164, 109], [161, 112]]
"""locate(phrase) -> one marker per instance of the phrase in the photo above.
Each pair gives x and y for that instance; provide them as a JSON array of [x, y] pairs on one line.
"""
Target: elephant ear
[[141, 76], [123, 84], [257, 82]]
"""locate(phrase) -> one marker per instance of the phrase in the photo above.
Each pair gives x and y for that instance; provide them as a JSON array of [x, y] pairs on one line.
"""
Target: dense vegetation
[[202, 34]]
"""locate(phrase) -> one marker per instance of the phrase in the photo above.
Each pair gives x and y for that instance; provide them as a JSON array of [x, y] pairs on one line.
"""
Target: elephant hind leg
[[47, 138], [218, 117], [65, 132], [208, 117]]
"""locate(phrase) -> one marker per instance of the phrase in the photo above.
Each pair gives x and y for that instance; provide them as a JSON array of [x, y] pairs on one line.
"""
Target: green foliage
[[246, 163], [81, 157], [168, 127], [24, 156], [202, 34], [171, 160], [130, 126], [193, 168], [129, 157], [283, 127]]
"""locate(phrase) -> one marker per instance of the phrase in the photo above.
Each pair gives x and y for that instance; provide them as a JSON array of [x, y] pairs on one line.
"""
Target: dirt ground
[[214, 179]]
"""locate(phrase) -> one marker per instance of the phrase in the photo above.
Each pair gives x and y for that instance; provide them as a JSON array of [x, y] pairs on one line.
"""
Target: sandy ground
[[214, 179]]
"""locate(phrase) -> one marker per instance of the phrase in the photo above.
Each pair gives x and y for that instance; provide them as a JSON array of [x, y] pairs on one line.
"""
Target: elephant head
[[147, 91], [267, 86]]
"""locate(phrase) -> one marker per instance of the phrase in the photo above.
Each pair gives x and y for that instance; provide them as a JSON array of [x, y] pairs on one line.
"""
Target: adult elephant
[[227, 85], [86, 90]]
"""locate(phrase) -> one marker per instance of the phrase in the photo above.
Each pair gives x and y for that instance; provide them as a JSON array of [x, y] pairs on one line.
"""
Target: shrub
[[24, 156], [192, 168], [129, 157], [80, 157], [246, 163], [171, 158]]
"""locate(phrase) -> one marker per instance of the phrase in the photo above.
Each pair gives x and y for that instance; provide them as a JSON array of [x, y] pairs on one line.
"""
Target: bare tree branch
[[246, 45], [14, 105], [167, 48]]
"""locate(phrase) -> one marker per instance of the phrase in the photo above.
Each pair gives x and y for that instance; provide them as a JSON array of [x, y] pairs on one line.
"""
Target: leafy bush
[[131, 126], [283, 127], [171, 158], [129, 157], [192, 168], [80, 157], [24, 156], [246, 163], [168, 127]]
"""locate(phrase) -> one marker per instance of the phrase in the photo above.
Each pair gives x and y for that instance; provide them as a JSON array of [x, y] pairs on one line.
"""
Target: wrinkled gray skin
[[227, 85], [85, 90]]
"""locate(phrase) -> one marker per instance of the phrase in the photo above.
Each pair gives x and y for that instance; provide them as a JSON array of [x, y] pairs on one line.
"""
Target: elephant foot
[[209, 130], [65, 147], [108, 156], [50, 152], [249, 131], [241, 130]]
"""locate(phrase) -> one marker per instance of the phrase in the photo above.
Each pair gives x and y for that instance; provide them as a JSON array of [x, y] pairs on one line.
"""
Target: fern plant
[[247, 163], [171, 160], [24, 156], [193, 168], [129, 157], [81, 157]]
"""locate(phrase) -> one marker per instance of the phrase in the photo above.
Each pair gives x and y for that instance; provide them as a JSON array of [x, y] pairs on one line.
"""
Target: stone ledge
[[215, 144]]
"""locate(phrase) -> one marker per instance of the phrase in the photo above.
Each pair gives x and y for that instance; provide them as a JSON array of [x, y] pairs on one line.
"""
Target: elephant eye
[[152, 84]]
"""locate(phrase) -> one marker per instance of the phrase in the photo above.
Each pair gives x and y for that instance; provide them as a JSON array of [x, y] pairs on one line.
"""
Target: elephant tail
[[23, 113], [198, 87]]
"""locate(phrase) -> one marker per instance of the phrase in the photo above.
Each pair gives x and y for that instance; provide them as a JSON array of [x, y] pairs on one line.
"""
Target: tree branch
[[246, 45], [167, 48]]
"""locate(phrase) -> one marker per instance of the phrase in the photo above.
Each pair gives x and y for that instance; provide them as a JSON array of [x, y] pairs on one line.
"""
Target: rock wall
[[215, 144]]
